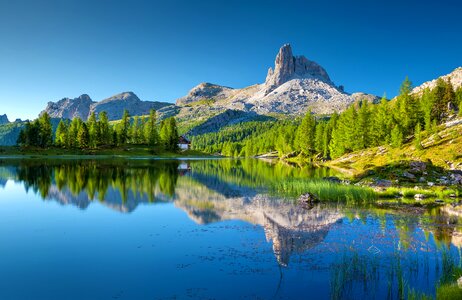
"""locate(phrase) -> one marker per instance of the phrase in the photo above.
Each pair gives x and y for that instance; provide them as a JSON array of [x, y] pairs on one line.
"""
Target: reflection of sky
[[158, 251]]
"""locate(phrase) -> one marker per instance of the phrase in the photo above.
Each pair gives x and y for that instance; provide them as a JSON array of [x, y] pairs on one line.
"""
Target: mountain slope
[[81, 107], [295, 85]]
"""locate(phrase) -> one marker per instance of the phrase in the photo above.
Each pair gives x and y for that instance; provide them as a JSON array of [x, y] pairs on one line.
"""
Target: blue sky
[[160, 49]]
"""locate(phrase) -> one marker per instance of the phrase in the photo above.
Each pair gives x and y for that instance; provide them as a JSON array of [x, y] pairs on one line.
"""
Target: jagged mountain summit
[[4, 119], [455, 77], [82, 107], [293, 86]]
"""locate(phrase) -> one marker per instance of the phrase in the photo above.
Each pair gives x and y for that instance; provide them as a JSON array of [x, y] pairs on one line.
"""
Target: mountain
[[81, 107], [295, 85], [455, 77], [4, 119]]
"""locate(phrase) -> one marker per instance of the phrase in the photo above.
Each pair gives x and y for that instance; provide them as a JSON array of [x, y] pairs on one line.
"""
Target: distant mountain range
[[294, 86]]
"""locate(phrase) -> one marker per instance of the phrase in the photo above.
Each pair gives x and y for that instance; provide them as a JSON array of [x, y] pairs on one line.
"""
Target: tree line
[[99, 132], [362, 125]]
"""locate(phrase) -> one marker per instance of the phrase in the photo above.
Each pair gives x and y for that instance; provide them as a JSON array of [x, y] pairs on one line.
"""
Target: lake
[[207, 229]]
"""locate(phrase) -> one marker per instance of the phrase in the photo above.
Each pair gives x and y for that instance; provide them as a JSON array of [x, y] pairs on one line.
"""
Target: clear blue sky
[[160, 49]]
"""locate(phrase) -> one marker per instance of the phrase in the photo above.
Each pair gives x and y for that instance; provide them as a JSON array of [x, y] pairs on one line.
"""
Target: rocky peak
[[70, 108], [4, 119], [205, 91], [455, 77], [287, 67]]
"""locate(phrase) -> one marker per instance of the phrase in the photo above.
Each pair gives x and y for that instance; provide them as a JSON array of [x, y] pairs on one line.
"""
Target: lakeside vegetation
[[361, 126], [99, 134]]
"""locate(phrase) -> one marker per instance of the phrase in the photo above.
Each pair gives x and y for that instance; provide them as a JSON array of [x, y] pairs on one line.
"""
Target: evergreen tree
[[150, 133], [381, 125], [362, 136], [306, 134], [396, 137], [104, 129], [418, 137], [427, 102], [93, 129], [124, 128], [61, 134], [407, 109], [169, 134], [83, 136], [45, 131], [319, 137]]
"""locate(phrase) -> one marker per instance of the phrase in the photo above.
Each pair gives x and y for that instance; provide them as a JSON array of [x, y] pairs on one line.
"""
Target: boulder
[[383, 183], [307, 200], [417, 167], [409, 176], [420, 196]]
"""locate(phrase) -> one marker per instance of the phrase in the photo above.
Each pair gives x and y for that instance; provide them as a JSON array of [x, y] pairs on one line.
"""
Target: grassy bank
[[130, 151]]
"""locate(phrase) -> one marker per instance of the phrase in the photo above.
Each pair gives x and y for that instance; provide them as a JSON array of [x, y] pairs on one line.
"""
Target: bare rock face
[[70, 108], [4, 119], [205, 91], [455, 77], [287, 67], [115, 106], [83, 106]]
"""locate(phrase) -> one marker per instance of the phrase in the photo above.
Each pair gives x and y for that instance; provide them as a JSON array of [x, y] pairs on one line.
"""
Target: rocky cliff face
[[293, 86], [287, 67], [455, 77], [83, 106], [70, 108], [4, 119]]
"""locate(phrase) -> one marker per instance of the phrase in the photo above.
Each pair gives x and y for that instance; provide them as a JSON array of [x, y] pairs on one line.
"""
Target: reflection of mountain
[[291, 228]]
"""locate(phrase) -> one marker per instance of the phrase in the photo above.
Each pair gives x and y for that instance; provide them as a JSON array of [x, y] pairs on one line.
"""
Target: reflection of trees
[[95, 178]]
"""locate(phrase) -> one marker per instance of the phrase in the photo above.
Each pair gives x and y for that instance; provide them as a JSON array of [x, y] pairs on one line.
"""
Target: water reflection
[[365, 250]]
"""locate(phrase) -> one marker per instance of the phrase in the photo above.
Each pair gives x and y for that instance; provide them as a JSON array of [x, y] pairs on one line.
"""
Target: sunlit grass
[[326, 190]]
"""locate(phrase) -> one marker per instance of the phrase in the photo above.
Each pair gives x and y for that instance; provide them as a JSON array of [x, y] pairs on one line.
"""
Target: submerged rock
[[307, 200]]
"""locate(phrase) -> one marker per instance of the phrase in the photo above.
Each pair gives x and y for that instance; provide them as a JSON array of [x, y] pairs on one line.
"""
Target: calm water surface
[[205, 229]]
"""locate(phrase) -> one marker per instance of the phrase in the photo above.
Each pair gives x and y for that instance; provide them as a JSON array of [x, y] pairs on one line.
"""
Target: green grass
[[326, 190], [129, 150], [449, 292]]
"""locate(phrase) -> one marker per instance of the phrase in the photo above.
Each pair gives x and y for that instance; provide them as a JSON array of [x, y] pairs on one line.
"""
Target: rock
[[430, 183], [4, 119], [408, 175], [383, 183], [287, 66], [422, 179], [333, 179], [439, 201], [452, 196], [420, 196], [455, 77], [417, 167], [459, 282], [307, 200], [82, 106]]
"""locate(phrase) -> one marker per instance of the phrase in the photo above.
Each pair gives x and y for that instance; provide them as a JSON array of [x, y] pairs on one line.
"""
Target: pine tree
[[427, 102], [104, 129], [407, 109], [306, 134], [381, 125], [319, 137], [93, 129], [150, 133], [61, 134], [396, 137], [418, 137], [45, 131], [124, 128], [83, 136], [362, 136]]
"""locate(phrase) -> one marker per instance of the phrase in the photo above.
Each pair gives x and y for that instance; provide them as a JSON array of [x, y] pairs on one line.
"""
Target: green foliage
[[169, 134], [39, 133]]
